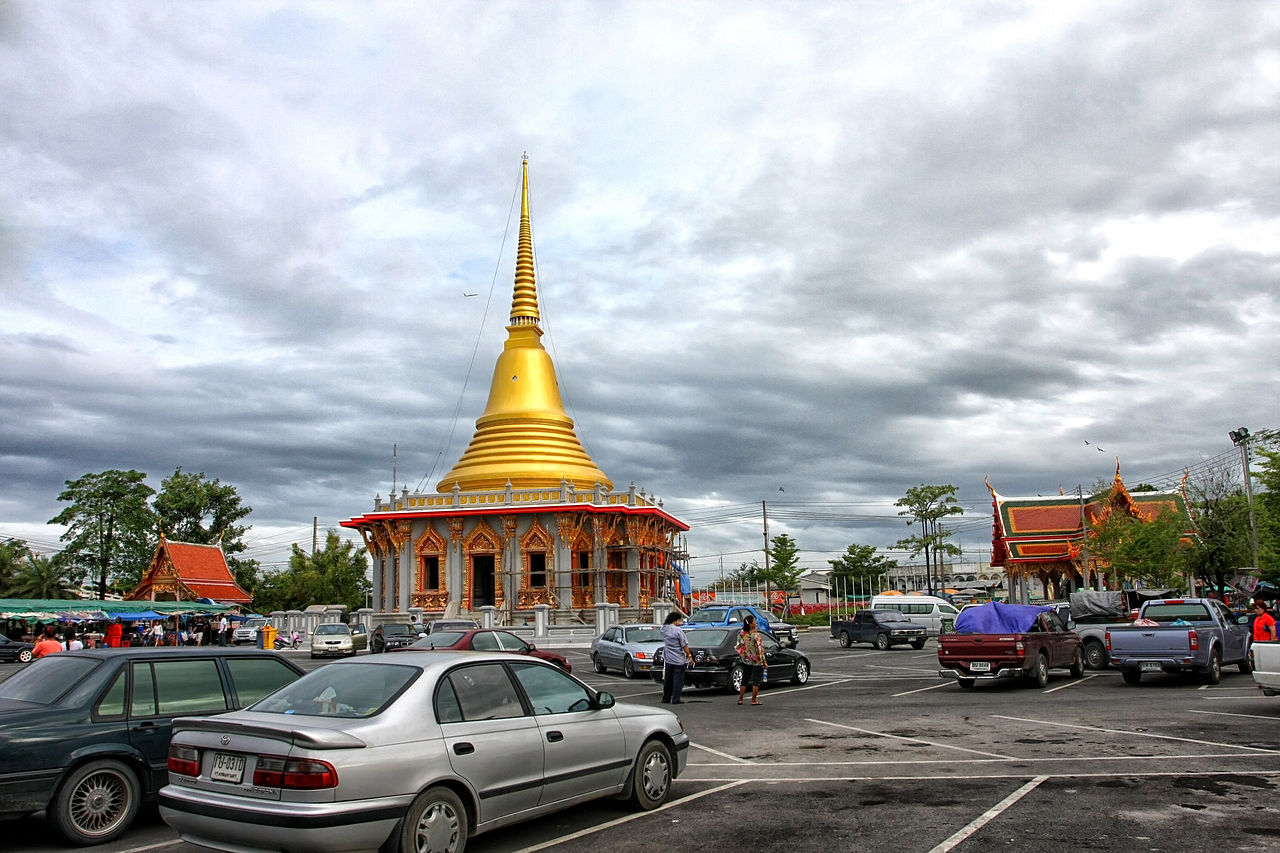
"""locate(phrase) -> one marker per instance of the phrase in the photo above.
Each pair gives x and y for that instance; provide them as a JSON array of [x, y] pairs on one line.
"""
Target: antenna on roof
[[393, 471]]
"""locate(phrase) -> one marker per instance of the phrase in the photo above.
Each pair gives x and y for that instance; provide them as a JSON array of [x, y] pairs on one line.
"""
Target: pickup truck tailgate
[[1152, 642], [978, 653]]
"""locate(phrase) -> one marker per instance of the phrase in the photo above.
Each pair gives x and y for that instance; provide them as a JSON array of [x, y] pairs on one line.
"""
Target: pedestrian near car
[[48, 642], [377, 643], [73, 642], [223, 628], [675, 656], [750, 649], [1264, 624]]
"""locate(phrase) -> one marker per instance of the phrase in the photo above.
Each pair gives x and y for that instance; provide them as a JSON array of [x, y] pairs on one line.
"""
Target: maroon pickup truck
[[1008, 641]]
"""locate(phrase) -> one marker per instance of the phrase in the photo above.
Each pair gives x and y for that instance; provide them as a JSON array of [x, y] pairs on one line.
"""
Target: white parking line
[[989, 815], [955, 762], [1071, 683], [1136, 734], [1227, 714], [923, 689], [910, 739], [719, 753], [628, 818]]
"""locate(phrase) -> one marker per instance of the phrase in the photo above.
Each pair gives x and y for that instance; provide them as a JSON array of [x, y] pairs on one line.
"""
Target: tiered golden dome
[[524, 436]]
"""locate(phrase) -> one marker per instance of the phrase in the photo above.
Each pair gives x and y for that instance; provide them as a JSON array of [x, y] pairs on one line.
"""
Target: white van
[[934, 613]]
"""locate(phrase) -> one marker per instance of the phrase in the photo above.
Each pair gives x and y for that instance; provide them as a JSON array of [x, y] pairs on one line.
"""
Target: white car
[[338, 639], [416, 751], [247, 631]]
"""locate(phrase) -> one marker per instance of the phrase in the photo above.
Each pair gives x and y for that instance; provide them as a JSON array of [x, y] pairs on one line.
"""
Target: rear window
[[1187, 612], [398, 631], [438, 640], [352, 691], [48, 679], [707, 638], [255, 678]]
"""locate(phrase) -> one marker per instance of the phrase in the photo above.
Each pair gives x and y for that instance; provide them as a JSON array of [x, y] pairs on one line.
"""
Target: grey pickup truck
[[1174, 635]]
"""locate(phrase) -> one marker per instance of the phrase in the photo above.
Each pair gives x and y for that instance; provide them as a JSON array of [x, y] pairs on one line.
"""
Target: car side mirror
[[604, 700], [532, 647], [1071, 624]]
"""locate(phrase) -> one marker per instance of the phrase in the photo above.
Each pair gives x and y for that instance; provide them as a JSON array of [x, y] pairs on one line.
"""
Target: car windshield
[[709, 638], [398, 631], [438, 640], [705, 615], [331, 628], [360, 690], [45, 681], [644, 635], [891, 616]]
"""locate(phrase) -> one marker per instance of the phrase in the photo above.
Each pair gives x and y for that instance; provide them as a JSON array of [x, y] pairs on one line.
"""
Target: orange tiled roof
[[195, 571]]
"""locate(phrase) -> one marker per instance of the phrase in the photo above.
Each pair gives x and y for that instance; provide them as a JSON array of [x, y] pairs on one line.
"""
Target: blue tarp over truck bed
[[996, 618]]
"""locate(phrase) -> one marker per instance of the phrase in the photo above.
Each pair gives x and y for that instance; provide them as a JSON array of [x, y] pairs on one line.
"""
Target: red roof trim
[[369, 518]]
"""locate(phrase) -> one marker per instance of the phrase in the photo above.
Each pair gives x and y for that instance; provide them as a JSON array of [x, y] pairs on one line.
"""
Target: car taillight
[[184, 760], [1193, 640], [1019, 649], [641, 655], [1108, 638], [275, 771]]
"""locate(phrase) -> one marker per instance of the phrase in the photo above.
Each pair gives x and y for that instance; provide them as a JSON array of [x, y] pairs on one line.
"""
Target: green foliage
[[1221, 515], [337, 574], [13, 552], [109, 526], [784, 558], [860, 562], [42, 577], [1266, 510], [927, 505], [204, 512], [1149, 551]]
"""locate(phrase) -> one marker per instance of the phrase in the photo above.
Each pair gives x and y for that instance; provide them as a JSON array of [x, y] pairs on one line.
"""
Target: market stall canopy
[[85, 609]]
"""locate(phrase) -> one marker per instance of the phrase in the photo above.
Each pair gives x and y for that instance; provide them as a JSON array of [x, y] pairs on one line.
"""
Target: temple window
[[537, 570], [430, 571]]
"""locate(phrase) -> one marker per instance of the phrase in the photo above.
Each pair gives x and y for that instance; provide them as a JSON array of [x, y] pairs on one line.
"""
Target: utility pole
[[1084, 541], [1240, 438], [315, 534], [764, 513]]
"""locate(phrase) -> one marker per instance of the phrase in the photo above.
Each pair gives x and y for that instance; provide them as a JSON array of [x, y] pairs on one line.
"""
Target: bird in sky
[[469, 295]]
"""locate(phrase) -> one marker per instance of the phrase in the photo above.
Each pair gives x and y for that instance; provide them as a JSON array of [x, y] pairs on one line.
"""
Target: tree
[[861, 562], [1217, 503], [1150, 551], [42, 577], [1266, 510], [204, 512], [337, 574], [108, 525], [784, 569], [926, 506], [13, 552]]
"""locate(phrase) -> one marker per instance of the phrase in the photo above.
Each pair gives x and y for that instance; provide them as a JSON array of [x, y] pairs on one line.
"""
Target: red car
[[484, 640]]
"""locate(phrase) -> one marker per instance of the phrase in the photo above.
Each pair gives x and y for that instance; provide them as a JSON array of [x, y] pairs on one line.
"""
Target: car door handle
[[555, 737], [463, 748]]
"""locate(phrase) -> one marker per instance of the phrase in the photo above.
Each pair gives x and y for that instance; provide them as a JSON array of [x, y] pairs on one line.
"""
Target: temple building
[[183, 571], [525, 517], [1047, 538]]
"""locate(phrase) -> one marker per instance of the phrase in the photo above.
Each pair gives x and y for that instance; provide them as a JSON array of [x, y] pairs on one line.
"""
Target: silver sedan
[[628, 648], [416, 751]]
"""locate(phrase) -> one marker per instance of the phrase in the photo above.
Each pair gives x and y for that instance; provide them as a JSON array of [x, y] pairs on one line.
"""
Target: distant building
[[182, 571], [1045, 539], [525, 517]]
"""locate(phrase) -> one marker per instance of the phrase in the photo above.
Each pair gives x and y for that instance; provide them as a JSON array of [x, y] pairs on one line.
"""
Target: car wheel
[[882, 641], [96, 803], [435, 823], [1077, 665], [802, 672], [598, 664], [966, 683], [628, 667], [1213, 673], [1245, 665], [1095, 654], [845, 641], [313, 655], [736, 678], [1040, 674], [1131, 676], [917, 644], [25, 655], [651, 780]]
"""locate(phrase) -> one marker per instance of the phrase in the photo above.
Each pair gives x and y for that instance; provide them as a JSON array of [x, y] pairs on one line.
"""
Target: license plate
[[227, 768], [1149, 666], [980, 666]]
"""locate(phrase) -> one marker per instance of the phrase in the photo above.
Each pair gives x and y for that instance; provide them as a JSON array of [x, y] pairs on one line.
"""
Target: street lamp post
[[1240, 438]]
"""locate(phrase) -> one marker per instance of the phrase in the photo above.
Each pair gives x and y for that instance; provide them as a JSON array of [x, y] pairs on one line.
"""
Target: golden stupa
[[524, 437]]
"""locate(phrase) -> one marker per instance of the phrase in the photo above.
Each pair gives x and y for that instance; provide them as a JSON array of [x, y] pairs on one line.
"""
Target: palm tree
[[12, 553], [40, 577]]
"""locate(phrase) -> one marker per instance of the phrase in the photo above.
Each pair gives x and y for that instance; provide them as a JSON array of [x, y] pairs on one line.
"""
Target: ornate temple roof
[[524, 438], [1051, 529], [184, 571]]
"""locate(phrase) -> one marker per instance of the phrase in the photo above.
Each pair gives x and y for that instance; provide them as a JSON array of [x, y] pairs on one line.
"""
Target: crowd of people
[[118, 632]]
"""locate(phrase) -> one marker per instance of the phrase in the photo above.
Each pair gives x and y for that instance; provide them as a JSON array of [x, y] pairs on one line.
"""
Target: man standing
[[675, 656], [222, 629], [48, 642]]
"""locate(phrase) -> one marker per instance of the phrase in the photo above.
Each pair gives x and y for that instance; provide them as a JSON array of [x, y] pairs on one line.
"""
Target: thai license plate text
[[227, 767], [980, 666]]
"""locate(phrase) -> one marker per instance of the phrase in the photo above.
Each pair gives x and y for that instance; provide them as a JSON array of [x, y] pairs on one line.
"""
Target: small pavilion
[[183, 571], [526, 517], [1046, 538]]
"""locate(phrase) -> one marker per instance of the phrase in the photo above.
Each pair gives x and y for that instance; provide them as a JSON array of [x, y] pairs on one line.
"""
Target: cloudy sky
[[805, 253]]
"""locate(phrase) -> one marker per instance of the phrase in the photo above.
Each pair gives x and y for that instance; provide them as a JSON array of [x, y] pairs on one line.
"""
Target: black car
[[394, 635], [716, 663], [11, 650], [84, 735], [881, 628]]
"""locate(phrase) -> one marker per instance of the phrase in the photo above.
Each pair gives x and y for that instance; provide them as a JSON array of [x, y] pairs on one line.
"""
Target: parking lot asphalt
[[878, 753]]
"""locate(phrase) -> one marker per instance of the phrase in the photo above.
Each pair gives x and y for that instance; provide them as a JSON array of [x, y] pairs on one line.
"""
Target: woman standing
[[750, 649]]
